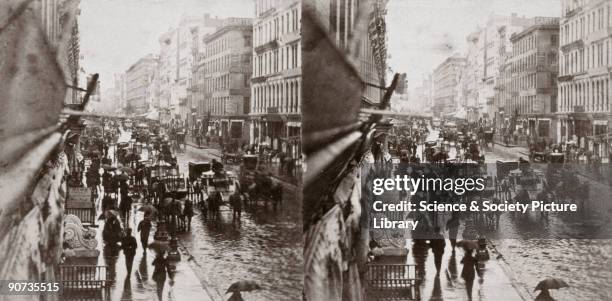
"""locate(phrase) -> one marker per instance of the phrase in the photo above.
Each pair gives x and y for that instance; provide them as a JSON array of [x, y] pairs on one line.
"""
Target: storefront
[[588, 130], [279, 132]]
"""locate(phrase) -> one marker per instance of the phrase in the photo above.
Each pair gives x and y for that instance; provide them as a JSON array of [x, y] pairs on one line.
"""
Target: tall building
[[176, 62], [276, 83], [488, 52], [138, 80], [119, 93], [196, 90], [584, 80], [227, 67], [534, 69], [446, 84]]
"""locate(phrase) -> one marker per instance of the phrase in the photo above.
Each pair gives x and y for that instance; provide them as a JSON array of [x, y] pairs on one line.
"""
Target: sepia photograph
[[315, 150], [435, 98], [151, 149]]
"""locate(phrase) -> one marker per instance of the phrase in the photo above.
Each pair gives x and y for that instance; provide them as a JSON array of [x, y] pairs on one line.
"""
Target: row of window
[[592, 95], [273, 28], [273, 61], [593, 21], [524, 63], [527, 81], [523, 104], [216, 105], [279, 97], [591, 56]]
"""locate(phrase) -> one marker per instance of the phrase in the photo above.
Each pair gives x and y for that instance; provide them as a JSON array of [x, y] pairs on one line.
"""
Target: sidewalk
[[492, 280], [139, 285]]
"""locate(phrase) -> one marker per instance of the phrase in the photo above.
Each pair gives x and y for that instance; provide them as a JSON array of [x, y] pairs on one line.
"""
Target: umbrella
[[108, 167], [148, 208], [123, 177], [127, 170], [167, 201], [160, 246], [163, 164], [551, 283], [468, 244], [243, 286], [106, 214]]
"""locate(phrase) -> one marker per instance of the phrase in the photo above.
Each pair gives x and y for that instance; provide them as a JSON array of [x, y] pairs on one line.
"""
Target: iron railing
[[392, 281], [84, 277]]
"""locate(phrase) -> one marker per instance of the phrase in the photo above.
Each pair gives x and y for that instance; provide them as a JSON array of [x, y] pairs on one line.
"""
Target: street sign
[[79, 197]]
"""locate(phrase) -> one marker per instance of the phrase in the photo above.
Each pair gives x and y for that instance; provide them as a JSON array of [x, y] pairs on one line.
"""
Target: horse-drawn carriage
[[223, 182], [258, 183]]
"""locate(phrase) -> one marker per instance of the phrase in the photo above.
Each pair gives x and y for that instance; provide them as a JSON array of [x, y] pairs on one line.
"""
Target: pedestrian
[[125, 205], [236, 296], [453, 229], [188, 213], [236, 202], [109, 203], [111, 234], [468, 273], [128, 245], [144, 227], [437, 245], [161, 267], [544, 296]]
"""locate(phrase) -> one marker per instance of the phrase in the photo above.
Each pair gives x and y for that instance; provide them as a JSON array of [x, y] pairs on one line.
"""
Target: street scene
[[153, 149], [509, 92], [208, 228]]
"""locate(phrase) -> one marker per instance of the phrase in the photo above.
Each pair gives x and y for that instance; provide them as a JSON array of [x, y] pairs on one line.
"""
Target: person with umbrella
[[241, 286], [547, 284], [128, 244], [111, 234]]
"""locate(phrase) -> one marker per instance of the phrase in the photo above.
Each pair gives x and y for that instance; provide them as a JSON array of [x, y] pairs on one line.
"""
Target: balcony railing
[[269, 45], [573, 45], [392, 281], [84, 277], [573, 12]]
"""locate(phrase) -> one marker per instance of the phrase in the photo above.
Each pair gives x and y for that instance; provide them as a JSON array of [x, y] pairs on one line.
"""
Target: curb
[[523, 291]]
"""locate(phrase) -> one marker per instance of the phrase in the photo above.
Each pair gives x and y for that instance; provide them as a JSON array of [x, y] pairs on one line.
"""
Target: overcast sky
[[422, 33], [116, 33]]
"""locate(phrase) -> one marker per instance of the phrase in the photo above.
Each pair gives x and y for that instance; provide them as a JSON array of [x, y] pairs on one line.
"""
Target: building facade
[[584, 80], [276, 84], [196, 95], [138, 82], [55, 16], [534, 71], [446, 79], [227, 67], [175, 66]]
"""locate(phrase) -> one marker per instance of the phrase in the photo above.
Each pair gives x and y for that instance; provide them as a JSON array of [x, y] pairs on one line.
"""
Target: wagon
[[197, 168]]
